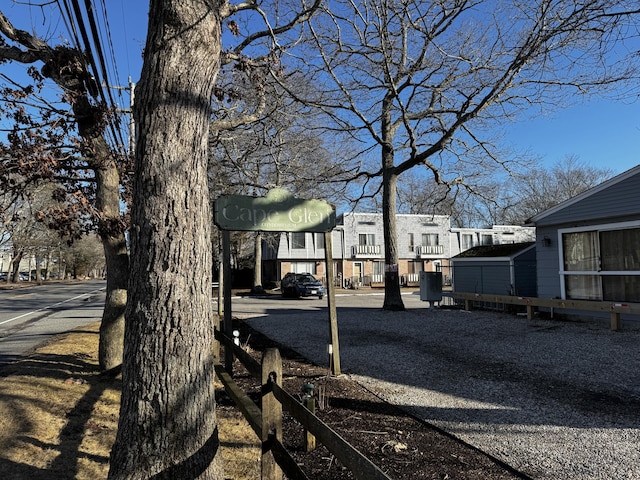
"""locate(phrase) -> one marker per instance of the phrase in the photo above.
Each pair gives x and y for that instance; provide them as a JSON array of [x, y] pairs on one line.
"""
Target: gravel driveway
[[555, 400]]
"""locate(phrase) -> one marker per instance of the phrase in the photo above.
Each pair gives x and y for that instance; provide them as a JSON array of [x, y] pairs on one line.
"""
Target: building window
[[602, 265], [415, 267], [580, 251], [366, 239], [298, 240], [378, 269], [467, 241], [378, 272], [620, 249], [304, 267], [487, 239], [411, 244], [319, 241], [430, 239]]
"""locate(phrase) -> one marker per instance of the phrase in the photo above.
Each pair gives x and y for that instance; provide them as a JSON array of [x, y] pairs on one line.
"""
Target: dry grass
[[58, 416]]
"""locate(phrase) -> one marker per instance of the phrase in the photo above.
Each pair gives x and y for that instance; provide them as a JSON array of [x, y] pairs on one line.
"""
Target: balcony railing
[[366, 251], [423, 251]]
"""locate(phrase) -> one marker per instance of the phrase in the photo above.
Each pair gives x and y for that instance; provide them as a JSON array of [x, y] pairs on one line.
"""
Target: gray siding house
[[588, 247], [508, 269]]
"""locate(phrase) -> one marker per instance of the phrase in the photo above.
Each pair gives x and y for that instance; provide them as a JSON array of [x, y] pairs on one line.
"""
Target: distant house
[[507, 269], [588, 247]]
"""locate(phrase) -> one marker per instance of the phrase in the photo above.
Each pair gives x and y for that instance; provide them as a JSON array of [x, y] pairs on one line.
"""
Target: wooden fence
[[266, 422], [615, 309]]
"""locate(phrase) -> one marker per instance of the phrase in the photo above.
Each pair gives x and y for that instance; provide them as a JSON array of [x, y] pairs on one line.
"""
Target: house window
[[620, 249], [602, 265], [467, 241], [298, 240], [378, 269], [378, 272], [430, 239], [304, 267], [583, 287], [411, 244], [366, 239], [319, 241], [580, 251], [415, 267], [486, 239]]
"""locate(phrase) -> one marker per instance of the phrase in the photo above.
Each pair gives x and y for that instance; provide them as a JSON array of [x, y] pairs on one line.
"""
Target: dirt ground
[[396, 442], [58, 417]]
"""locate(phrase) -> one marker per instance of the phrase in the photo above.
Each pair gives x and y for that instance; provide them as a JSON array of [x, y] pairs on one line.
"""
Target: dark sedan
[[298, 285]]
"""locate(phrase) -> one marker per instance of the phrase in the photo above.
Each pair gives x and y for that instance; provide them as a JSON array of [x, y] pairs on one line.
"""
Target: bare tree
[[420, 83], [82, 258], [278, 148], [28, 236], [540, 189], [41, 145]]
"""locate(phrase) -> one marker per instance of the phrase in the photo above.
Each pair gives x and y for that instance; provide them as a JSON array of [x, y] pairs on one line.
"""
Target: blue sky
[[600, 132]]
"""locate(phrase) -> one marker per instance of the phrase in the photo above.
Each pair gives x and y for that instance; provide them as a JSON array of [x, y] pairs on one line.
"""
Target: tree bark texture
[[111, 341], [168, 427], [392, 295]]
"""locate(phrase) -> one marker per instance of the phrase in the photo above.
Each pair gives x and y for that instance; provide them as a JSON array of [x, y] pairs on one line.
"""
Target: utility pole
[[132, 124], [132, 128]]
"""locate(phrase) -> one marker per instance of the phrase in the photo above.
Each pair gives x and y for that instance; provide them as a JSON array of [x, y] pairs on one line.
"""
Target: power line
[[99, 77], [105, 76]]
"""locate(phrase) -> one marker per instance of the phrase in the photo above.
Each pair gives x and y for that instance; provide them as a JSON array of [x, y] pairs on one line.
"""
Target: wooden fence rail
[[615, 309], [267, 422]]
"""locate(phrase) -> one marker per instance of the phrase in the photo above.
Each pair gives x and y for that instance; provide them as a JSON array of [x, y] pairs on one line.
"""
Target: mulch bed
[[399, 444]]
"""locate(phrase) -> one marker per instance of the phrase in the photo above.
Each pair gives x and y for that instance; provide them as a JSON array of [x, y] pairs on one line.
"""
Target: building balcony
[[429, 251], [366, 251]]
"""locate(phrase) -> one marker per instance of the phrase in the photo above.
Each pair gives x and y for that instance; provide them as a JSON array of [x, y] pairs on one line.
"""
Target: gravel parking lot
[[553, 399]]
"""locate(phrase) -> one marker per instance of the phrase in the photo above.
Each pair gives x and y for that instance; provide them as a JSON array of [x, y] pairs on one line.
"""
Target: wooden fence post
[[309, 402], [615, 321], [334, 354], [271, 413]]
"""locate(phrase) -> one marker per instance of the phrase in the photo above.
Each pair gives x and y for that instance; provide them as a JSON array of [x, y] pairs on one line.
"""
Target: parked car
[[301, 285]]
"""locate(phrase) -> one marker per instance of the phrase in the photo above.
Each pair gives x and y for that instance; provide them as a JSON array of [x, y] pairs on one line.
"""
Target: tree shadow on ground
[[67, 370]]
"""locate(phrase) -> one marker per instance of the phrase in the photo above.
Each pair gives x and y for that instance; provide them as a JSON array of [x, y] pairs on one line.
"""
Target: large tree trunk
[[392, 295], [168, 426], [111, 342]]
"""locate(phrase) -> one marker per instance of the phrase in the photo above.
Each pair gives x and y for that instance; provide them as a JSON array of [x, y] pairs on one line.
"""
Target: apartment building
[[425, 243]]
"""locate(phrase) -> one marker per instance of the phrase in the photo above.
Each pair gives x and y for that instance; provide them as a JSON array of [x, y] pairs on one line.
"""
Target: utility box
[[431, 286]]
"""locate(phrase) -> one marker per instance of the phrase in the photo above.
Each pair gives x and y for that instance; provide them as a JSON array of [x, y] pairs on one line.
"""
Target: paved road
[[31, 315], [365, 298]]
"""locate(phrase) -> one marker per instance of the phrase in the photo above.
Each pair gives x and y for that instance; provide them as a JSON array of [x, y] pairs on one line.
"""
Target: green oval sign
[[279, 211]]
